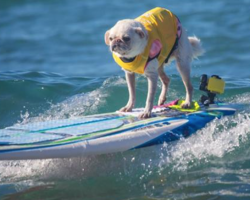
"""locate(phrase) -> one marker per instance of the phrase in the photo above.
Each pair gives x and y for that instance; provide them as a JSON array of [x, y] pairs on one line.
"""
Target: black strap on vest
[[173, 48], [127, 60]]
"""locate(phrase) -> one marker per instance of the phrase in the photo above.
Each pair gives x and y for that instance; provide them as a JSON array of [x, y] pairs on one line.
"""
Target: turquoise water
[[54, 64]]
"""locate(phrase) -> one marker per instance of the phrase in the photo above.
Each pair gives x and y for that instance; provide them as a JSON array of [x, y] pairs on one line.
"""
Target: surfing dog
[[143, 45]]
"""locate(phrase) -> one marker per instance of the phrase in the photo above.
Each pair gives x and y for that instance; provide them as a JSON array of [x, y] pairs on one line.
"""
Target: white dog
[[144, 45]]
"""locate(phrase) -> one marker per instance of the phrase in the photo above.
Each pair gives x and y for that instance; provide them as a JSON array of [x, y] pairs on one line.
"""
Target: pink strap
[[175, 102], [155, 48]]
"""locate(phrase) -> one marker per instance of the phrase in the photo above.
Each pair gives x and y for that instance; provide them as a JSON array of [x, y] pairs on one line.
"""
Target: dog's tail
[[197, 49]]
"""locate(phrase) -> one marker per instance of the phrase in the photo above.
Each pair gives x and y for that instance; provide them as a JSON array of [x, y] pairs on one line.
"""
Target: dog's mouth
[[121, 49]]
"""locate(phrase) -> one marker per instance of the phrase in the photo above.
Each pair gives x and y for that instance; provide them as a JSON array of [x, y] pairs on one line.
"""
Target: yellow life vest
[[161, 25]]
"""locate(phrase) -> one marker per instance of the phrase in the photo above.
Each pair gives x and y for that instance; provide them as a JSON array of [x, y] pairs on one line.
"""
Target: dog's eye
[[126, 38], [110, 38]]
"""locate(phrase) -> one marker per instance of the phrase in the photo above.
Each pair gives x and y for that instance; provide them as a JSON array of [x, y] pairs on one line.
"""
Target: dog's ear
[[106, 38], [140, 32]]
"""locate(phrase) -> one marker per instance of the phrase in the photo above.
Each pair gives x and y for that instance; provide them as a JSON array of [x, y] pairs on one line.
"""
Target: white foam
[[217, 139]]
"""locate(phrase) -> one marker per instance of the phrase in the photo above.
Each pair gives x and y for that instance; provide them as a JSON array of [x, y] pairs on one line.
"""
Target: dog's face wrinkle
[[119, 45]]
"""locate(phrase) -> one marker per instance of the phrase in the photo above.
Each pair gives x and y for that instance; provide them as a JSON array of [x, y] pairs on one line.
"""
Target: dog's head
[[127, 38]]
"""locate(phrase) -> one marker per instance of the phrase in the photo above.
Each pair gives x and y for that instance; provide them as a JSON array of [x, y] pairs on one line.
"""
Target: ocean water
[[54, 64]]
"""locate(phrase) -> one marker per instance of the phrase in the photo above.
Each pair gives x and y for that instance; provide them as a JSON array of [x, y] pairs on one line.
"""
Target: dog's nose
[[118, 40], [116, 44]]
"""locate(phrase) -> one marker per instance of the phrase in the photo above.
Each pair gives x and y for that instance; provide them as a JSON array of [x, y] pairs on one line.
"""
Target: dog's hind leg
[[188, 48], [184, 69], [183, 56]]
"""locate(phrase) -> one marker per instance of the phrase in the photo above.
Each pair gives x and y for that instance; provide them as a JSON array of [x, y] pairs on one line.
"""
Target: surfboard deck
[[104, 133]]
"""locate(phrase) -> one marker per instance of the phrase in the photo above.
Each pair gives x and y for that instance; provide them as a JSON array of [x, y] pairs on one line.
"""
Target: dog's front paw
[[186, 104], [126, 109], [145, 115]]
